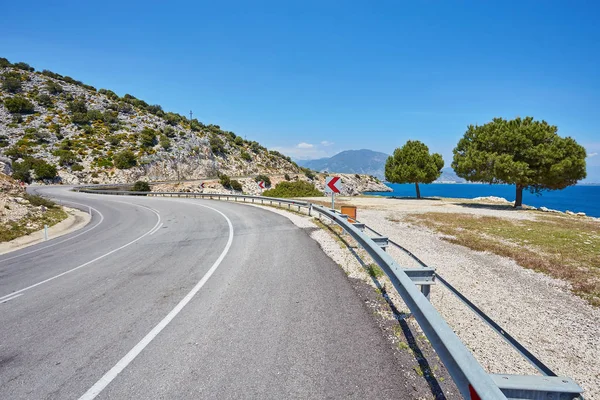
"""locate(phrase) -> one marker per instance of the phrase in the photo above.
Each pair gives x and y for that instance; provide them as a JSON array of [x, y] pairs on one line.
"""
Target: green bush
[[44, 100], [287, 177], [77, 167], [21, 171], [263, 178], [141, 186], [125, 160], [225, 180], [147, 138], [37, 201], [245, 156], [53, 87], [293, 189], [95, 115], [4, 63], [79, 118], [77, 106], [66, 157], [12, 85], [24, 66], [236, 185], [239, 141], [3, 140], [168, 131], [109, 93], [43, 170], [216, 144], [19, 105], [309, 174], [165, 143]]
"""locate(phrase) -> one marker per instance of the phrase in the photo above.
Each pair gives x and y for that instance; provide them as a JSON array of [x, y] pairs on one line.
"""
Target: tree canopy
[[523, 152], [412, 163]]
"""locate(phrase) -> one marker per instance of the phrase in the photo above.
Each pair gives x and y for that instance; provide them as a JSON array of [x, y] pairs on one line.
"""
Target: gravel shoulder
[[558, 327], [76, 220]]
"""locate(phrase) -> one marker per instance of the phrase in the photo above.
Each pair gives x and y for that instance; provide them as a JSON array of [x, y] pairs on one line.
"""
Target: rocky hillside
[[352, 184], [364, 161], [57, 129], [21, 214]]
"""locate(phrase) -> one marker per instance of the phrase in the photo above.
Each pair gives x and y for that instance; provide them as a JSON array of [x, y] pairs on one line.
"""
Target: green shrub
[[287, 177], [3, 141], [239, 141], [12, 85], [236, 185], [168, 131], [37, 201], [4, 63], [43, 170], [79, 118], [24, 66], [125, 108], [95, 115], [125, 160], [21, 171], [293, 189], [309, 174], [53, 87], [19, 105], [165, 143], [245, 156], [77, 167], [147, 138], [263, 178], [141, 186], [109, 93], [44, 100], [66, 157], [225, 180], [216, 144], [77, 106]]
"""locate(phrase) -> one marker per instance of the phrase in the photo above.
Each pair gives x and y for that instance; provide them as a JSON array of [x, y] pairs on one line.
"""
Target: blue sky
[[314, 78]]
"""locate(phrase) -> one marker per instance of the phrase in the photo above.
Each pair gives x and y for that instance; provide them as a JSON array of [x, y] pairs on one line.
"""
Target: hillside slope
[[60, 130], [364, 161]]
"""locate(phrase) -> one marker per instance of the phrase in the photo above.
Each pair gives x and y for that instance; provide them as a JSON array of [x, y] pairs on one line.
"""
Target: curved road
[[178, 298]]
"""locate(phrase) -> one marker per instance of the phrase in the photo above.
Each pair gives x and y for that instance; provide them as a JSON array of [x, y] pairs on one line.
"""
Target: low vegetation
[[562, 247], [141, 186], [293, 189], [32, 223]]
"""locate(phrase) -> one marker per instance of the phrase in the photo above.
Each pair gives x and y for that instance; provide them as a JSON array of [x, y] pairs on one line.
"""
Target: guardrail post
[[426, 289], [310, 210]]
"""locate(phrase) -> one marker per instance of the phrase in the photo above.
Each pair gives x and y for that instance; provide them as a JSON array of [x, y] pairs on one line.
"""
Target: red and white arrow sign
[[333, 184], [202, 185], [261, 184]]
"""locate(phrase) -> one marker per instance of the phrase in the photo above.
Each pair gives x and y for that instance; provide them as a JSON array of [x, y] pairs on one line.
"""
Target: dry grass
[[30, 223], [563, 247]]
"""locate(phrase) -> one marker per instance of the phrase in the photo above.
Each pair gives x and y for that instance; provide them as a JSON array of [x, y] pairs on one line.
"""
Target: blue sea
[[580, 198]]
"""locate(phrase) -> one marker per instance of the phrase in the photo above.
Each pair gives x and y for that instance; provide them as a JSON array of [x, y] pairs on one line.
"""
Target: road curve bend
[[182, 298]]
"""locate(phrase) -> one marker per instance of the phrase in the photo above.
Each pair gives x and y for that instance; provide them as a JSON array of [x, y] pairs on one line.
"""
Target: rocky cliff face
[[352, 184], [83, 132]]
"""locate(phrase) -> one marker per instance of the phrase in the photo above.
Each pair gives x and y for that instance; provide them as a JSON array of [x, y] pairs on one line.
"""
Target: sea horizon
[[578, 198]]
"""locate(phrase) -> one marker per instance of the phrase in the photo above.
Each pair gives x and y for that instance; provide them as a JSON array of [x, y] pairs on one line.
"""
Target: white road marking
[[62, 241], [87, 263], [11, 298], [157, 228], [137, 349]]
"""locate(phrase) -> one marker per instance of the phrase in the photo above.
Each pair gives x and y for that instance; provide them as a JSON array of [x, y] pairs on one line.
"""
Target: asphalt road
[[163, 298]]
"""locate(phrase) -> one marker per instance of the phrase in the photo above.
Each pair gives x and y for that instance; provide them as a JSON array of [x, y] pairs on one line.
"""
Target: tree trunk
[[519, 197], [418, 190]]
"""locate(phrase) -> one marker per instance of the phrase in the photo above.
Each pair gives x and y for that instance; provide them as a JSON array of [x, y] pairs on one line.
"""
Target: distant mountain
[[351, 162], [449, 176]]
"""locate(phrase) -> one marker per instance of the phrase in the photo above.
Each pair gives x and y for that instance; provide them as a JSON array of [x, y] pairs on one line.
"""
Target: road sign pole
[[332, 201]]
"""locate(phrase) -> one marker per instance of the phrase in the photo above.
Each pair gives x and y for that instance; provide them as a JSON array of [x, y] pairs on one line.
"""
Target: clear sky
[[314, 78]]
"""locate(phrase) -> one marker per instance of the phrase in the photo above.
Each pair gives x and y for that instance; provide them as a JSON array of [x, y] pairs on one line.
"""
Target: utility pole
[[191, 115]]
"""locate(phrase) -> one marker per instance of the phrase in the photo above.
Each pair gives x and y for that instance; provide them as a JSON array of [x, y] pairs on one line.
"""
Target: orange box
[[350, 211]]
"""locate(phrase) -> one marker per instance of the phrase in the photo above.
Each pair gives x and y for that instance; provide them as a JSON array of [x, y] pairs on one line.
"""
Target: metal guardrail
[[471, 379]]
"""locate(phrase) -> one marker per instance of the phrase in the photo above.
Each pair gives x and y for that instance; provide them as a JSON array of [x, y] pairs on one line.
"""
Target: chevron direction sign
[[261, 184], [333, 184]]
